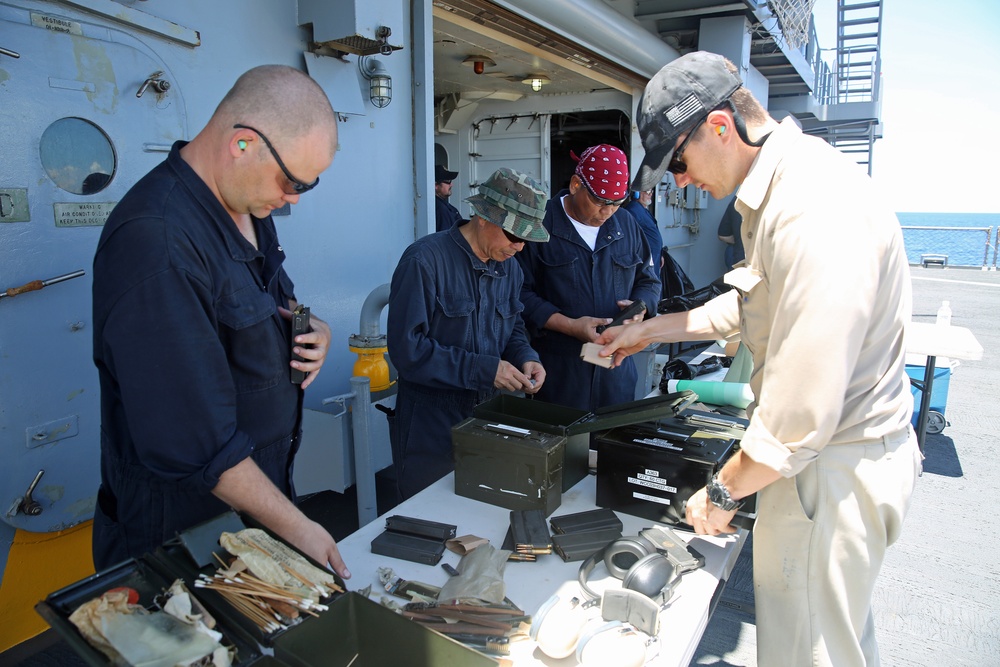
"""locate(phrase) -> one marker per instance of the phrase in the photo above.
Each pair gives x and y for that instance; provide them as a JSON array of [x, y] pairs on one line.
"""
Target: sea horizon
[[976, 219], [974, 245]]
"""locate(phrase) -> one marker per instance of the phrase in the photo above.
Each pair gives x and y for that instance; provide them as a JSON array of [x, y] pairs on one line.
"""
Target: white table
[[932, 341], [529, 585]]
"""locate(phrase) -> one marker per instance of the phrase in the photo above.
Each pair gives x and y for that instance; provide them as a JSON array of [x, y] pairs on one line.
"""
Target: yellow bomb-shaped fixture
[[371, 364]]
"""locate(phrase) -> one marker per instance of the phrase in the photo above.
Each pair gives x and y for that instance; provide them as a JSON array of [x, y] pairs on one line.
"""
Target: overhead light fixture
[[536, 81], [479, 63], [380, 83]]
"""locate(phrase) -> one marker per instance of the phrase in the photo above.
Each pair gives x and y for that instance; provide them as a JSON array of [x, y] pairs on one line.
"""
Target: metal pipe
[[601, 29], [364, 475], [371, 310], [35, 285], [339, 398]]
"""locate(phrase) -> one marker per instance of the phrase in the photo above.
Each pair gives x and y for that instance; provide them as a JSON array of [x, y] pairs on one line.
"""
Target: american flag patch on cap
[[683, 110]]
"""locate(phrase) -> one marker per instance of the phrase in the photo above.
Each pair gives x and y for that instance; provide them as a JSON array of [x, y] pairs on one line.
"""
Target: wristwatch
[[719, 495]]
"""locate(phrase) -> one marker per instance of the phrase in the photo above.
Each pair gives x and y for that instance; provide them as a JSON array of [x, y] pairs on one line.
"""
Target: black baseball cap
[[676, 99], [441, 174]]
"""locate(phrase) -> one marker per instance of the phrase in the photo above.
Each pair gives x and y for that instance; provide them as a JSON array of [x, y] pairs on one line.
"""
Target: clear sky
[[940, 148]]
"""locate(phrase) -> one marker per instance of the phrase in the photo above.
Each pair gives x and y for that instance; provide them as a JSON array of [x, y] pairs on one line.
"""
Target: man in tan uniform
[[822, 304]]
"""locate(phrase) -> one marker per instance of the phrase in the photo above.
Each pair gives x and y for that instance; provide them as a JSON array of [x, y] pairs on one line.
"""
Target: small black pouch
[[597, 519], [415, 540]]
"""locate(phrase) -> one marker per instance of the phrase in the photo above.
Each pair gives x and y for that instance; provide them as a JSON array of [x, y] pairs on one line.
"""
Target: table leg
[[925, 401]]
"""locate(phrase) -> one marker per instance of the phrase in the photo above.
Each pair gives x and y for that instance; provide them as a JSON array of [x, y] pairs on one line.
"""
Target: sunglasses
[[511, 237], [677, 164], [298, 186], [600, 201]]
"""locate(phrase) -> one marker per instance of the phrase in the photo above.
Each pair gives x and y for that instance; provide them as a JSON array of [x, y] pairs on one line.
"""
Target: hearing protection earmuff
[[557, 626], [242, 144], [611, 644], [649, 565], [638, 563], [648, 579], [562, 627], [721, 130]]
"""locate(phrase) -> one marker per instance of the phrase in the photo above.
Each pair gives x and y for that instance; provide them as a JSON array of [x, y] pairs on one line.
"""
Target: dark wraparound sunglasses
[[511, 237], [297, 185], [600, 201], [677, 164]]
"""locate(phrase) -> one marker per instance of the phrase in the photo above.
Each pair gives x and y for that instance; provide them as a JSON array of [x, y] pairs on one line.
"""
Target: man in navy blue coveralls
[[596, 263], [445, 214], [455, 333], [191, 327], [638, 206]]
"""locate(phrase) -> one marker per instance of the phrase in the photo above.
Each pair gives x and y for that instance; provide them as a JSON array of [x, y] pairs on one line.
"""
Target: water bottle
[[944, 314]]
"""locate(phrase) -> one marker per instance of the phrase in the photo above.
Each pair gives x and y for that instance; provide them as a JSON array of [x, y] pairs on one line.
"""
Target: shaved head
[[288, 107], [282, 101]]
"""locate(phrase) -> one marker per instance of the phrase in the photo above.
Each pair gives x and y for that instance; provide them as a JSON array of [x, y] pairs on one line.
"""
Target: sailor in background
[[638, 206], [455, 333], [596, 264], [446, 215], [192, 339], [729, 233], [828, 450]]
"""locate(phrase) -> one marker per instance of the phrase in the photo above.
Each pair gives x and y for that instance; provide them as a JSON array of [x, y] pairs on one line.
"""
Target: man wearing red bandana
[[596, 263]]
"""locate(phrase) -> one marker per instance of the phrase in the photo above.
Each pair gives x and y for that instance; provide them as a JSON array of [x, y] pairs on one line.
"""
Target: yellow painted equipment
[[38, 564]]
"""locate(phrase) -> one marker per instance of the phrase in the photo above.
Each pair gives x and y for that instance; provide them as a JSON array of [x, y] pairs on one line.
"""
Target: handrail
[[986, 250], [996, 243]]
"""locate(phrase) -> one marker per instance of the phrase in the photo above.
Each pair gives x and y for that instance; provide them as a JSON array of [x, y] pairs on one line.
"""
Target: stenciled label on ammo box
[[655, 499], [651, 479], [658, 442]]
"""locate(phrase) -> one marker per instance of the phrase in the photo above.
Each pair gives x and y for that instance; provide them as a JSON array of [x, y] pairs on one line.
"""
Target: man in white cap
[[829, 450], [455, 333]]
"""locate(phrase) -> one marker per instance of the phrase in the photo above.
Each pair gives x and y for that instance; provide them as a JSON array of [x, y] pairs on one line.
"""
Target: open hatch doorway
[[580, 130]]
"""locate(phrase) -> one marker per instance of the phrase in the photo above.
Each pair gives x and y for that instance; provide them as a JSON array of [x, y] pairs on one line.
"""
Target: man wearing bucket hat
[[455, 333], [828, 450], [596, 263]]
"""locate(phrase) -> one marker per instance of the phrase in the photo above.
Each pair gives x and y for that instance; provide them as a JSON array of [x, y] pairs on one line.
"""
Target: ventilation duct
[[600, 29], [361, 27]]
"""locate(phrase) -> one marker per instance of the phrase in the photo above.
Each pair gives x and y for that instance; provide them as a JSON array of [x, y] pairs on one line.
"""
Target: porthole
[[78, 156]]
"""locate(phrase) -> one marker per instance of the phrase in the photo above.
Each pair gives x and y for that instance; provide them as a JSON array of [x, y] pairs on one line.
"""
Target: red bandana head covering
[[604, 170]]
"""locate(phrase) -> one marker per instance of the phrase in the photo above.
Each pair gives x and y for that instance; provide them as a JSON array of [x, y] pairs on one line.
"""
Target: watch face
[[714, 493], [719, 497]]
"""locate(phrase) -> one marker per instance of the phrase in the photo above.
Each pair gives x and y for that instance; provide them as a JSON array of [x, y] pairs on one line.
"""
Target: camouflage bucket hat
[[515, 202]]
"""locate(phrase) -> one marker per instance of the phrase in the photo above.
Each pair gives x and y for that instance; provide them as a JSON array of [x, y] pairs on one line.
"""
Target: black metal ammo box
[[522, 454], [577, 425], [649, 470]]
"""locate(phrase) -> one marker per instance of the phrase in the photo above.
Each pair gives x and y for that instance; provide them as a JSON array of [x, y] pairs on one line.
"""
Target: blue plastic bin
[[939, 396]]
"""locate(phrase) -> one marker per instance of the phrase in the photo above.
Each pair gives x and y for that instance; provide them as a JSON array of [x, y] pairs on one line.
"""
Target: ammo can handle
[[508, 430]]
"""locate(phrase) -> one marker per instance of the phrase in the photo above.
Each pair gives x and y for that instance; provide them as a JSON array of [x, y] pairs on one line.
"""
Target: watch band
[[719, 495]]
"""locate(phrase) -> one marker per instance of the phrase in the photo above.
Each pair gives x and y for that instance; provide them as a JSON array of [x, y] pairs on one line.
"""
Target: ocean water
[[964, 247]]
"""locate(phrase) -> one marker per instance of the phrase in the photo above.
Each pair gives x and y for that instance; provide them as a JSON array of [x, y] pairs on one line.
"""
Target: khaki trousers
[[819, 542]]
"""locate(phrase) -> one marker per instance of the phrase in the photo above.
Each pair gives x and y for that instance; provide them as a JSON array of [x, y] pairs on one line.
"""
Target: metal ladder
[[858, 72]]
